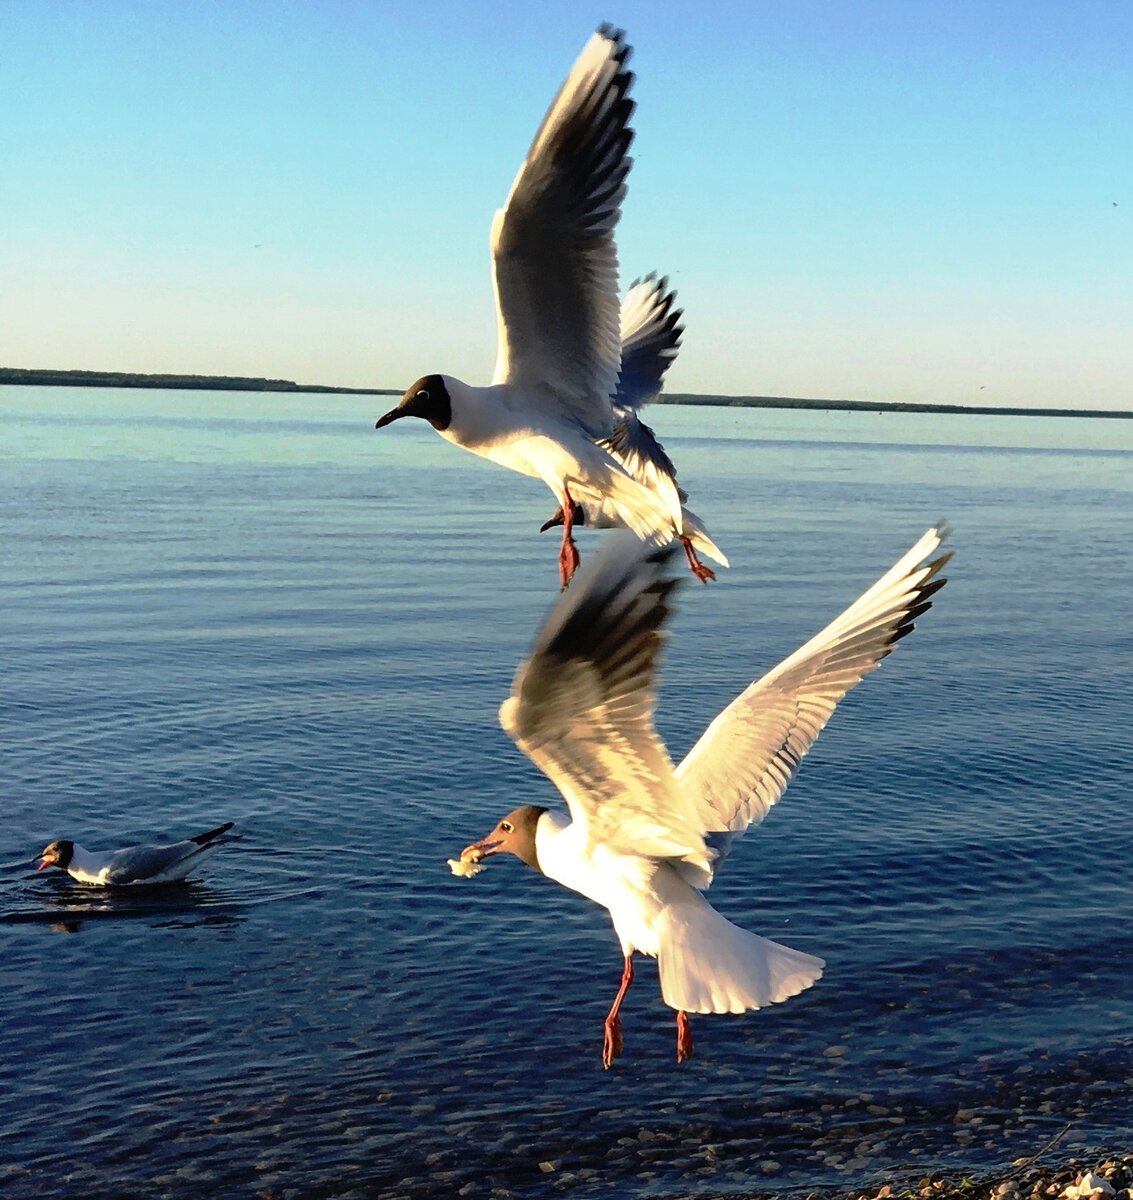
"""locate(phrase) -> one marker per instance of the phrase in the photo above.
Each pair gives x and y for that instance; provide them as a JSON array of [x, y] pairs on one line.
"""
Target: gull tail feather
[[709, 965], [696, 533], [203, 839]]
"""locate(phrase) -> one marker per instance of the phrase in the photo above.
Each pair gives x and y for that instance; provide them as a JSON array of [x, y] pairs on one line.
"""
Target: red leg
[[568, 554], [612, 1043], [703, 573], [684, 1037]]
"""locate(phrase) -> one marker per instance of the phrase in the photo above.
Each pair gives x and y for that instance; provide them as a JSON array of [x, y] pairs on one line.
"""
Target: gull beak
[[484, 848], [394, 414], [557, 519], [46, 863]]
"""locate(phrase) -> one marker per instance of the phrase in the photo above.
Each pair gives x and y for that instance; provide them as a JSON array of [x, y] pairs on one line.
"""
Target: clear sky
[[863, 199]]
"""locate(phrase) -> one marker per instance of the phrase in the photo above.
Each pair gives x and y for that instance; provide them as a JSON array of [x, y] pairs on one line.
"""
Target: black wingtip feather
[[938, 564], [928, 588], [605, 621], [202, 839], [618, 36]]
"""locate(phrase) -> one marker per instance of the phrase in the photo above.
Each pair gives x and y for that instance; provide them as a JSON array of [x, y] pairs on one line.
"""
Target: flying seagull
[[651, 336], [555, 269], [644, 839], [132, 865]]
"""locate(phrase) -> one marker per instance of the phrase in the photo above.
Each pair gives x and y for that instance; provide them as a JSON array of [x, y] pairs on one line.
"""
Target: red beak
[[46, 863], [478, 850]]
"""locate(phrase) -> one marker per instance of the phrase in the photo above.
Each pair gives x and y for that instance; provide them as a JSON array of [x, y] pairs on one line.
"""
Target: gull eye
[[507, 827], [422, 395]]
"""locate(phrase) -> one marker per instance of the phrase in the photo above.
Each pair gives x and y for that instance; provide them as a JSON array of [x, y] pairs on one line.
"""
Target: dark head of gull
[[428, 399], [515, 834], [58, 854]]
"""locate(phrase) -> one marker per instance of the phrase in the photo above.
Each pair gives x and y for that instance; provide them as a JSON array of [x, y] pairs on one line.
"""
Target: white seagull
[[555, 269], [133, 865], [644, 839], [651, 336]]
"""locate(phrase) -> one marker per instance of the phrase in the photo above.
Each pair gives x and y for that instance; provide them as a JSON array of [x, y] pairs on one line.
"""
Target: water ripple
[[277, 626]]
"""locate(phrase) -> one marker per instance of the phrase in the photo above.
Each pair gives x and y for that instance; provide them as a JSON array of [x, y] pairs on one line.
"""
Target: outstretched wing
[[743, 762], [555, 261], [581, 706]]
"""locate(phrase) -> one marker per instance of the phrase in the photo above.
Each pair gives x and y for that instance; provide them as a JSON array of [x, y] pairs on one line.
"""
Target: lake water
[[222, 606]]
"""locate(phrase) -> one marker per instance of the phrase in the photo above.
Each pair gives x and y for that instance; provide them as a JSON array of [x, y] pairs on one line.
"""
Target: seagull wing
[[651, 332], [555, 261], [651, 336], [581, 707], [742, 764], [636, 447], [145, 864]]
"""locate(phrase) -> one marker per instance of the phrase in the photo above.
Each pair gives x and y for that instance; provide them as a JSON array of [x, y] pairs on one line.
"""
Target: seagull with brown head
[[645, 839]]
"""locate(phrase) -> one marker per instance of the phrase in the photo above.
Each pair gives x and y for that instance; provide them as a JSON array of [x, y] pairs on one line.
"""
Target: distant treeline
[[889, 406], [240, 383], [129, 379]]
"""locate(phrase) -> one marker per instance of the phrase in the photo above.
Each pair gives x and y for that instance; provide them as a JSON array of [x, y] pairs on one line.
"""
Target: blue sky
[[871, 199]]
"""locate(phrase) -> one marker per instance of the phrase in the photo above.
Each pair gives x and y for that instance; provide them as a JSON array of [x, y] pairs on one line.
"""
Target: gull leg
[[568, 554], [612, 1043], [702, 572], [684, 1037]]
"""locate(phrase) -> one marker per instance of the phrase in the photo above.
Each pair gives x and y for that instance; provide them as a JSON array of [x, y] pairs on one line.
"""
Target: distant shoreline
[[240, 383], [888, 406], [22, 377]]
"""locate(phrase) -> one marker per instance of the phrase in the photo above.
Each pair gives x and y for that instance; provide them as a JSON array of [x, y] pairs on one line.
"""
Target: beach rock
[[1089, 1185]]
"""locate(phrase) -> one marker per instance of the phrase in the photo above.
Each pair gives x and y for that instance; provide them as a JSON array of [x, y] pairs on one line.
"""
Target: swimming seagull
[[644, 839], [555, 269], [133, 865], [651, 336]]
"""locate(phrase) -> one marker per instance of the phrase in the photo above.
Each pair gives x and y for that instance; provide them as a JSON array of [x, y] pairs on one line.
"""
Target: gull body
[[555, 271], [132, 865], [644, 839], [651, 336]]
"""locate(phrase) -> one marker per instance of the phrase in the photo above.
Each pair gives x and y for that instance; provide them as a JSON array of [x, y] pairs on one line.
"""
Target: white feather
[[643, 838]]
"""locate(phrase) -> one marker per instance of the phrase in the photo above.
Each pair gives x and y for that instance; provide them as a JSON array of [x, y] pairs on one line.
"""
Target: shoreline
[[1025, 1178], [36, 377], [890, 406]]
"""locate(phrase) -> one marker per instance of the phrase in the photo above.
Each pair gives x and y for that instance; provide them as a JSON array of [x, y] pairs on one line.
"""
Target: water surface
[[222, 606]]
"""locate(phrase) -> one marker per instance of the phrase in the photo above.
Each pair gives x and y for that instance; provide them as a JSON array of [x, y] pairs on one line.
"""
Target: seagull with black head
[[132, 865], [555, 269]]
